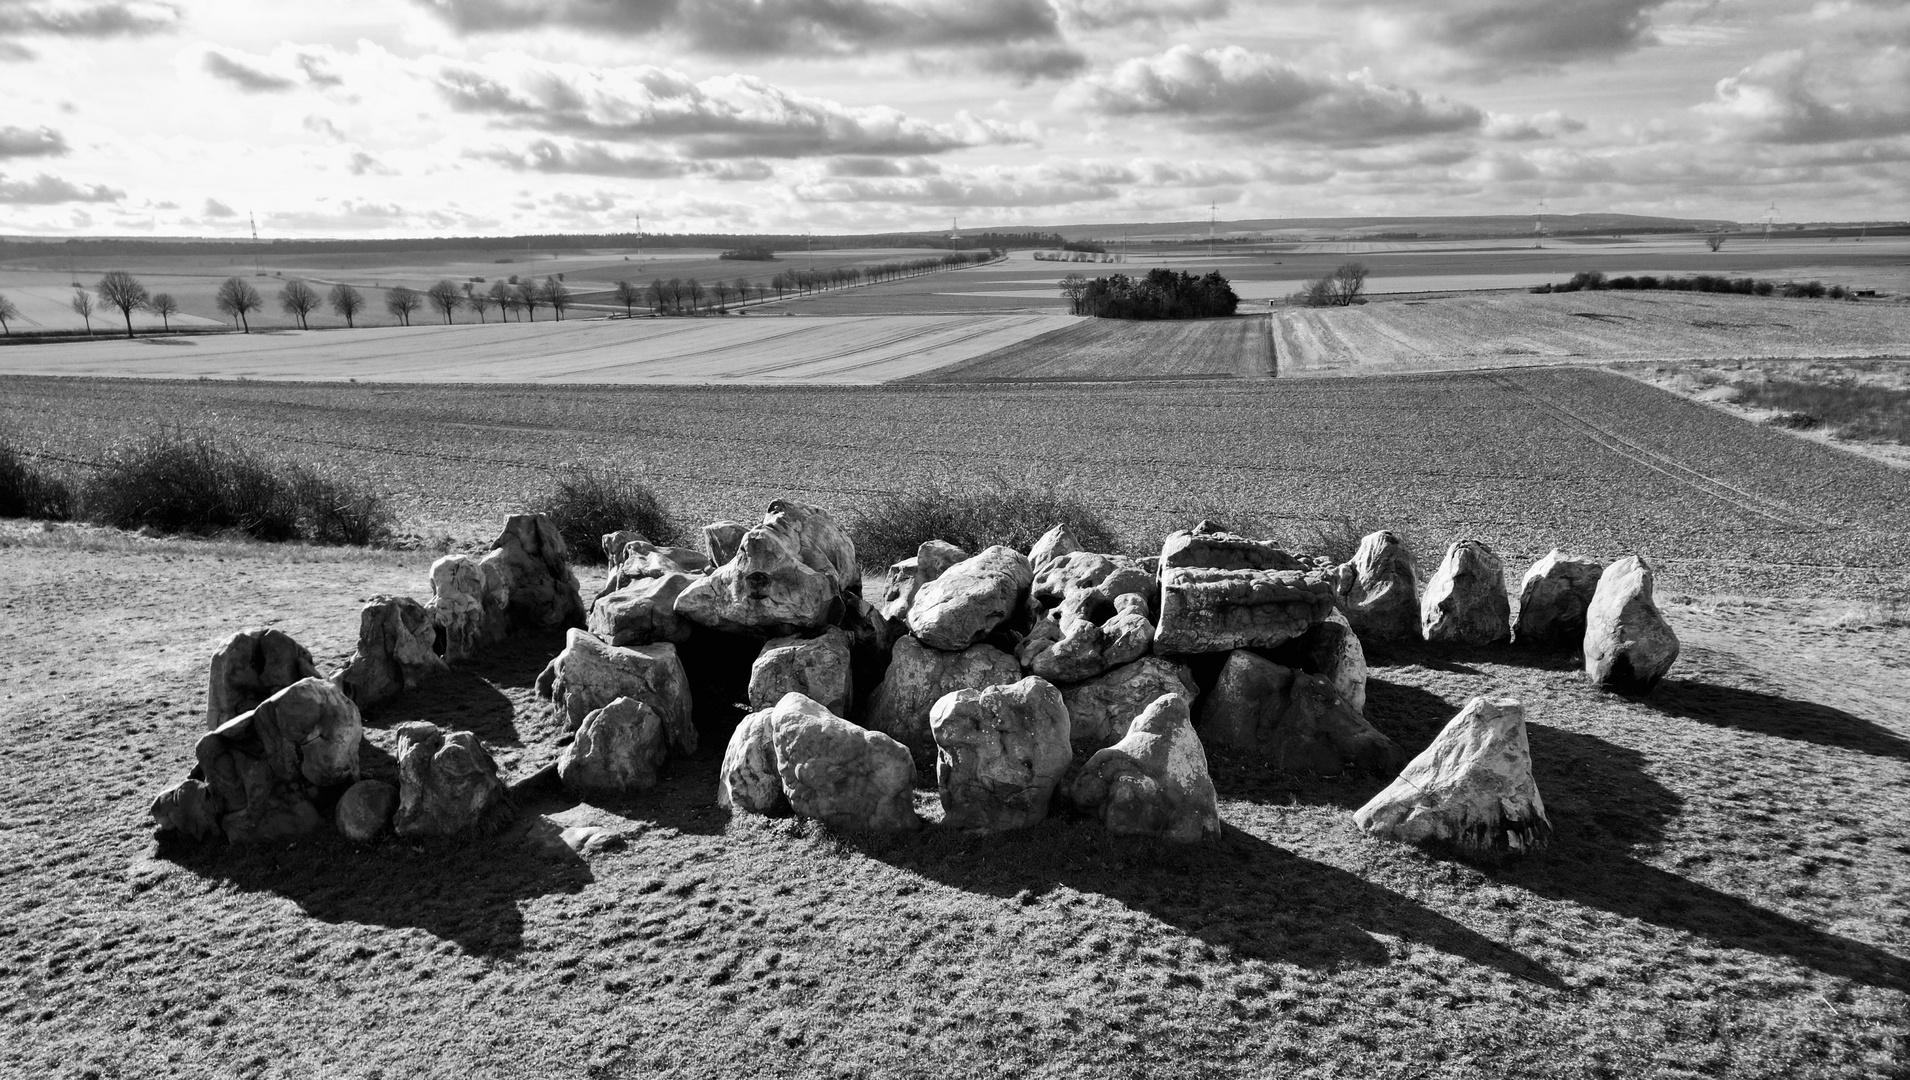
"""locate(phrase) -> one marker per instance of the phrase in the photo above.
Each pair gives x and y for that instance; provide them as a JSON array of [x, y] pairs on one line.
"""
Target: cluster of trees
[[1341, 288], [750, 253], [1075, 256], [1162, 294], [1594, 280]]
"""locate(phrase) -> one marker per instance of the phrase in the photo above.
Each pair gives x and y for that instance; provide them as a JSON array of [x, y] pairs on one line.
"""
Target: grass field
[[1499, 330], [1094, 349]]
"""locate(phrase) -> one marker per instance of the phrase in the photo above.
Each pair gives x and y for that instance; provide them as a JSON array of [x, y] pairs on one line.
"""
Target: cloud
[[730, 116], [881, 166], [317, 71], [1107, 14], [21, 142], [1830, 91], [596, 159], [216, 209], [250, 79], [1236, 92], [1496, 37], [44, 190], [19, 18], [362, 163], [1047, 185], [1509, 127]]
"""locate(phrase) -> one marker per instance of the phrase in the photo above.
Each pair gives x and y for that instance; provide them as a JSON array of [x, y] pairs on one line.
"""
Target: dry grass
[[1850, 409]]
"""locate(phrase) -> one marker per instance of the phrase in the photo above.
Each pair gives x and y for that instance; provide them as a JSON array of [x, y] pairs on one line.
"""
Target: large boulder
[[919, 676], [1213, 610], [722, 540], [749, 782], [1472, 788], [972, 599], [817, 668], [590, 674], [1465, 602], [447, 784], [1000, 751], [1553, 598], [639, 559], [1331, 650], [819, 541], [1053, 544], [470, 599], [642, 612], [265, 770], [618, 749], [930, 561], [1084, 584], [251, 666], [1295, 721], [1065, 647], [841, 774], [765, 589], [1102, 709], [189, 811], [397, 650], [364, 812], [1379, 589], [531, 558], [1154, 782], [1210, 547], [1628, 644]]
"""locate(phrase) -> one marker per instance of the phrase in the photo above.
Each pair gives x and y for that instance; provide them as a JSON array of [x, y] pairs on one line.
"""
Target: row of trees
[[1162, 294], [1595, 280]]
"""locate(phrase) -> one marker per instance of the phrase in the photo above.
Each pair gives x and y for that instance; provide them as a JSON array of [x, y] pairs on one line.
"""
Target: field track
[[1114, 349]]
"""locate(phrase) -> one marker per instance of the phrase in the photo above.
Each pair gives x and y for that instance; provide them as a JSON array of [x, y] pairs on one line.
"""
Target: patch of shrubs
[[588, 502], [750, 253], [1162, 294], [29, 492], [1594, 280], [972, 516]]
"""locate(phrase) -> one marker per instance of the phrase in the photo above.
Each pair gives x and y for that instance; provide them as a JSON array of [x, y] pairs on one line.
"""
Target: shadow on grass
[[1785, 718]]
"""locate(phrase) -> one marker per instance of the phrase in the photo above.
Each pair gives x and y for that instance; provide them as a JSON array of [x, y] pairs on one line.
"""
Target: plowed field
[[1095, 349]]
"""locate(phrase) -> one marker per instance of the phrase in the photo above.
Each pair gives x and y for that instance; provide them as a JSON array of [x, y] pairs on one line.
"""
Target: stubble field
[[1109, 349]]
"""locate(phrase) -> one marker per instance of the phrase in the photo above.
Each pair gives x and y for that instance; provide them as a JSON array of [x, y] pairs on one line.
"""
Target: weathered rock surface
[[641, 559], [190, 811], [590, 674], [1465, 602], [841, 774], [1066, 648], [470, 599], [1213, 610], [531, 558], [722, 540], [1471, 788], [1296, 721], [1101, 710], [642, 612], [1000, 751], [749, 782], [1628, 644], [365, 810], [397, 650], [1379, 589], [930, 561], [1217, 549], [818, 540], [1054, 544], [1084, 584], [766, 589], [817, 668], [971, 599], [251, 666], [1154, 782], [447, 784], [264, 769], [919, 676], [614, 543], [1331, 650], [618, 749], [1553, 598]]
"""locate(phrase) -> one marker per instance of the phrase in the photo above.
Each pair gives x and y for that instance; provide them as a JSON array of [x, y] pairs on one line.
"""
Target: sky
[[494, 117]]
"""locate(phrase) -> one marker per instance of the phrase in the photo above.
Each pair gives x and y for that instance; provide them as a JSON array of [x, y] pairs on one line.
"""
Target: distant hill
[[1425, 227]]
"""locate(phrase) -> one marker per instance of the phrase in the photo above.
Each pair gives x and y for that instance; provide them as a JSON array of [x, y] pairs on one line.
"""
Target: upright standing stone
[[470, 599], [841, 774], [918, 677], [531, 558], [971, 599], [266, 768], [1553, 598], [1379, 589], [447, 784], [750, 782], [589, 674], [1000, 752], [1102, 709], [1465, 602], [618, 749], [1154, 782], [397, 650], [1054, 544], [1471, 788], [251, 666], [1628, 644], [817, 667]]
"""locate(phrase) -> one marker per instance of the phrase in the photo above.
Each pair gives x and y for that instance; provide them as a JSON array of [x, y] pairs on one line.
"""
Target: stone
[[1472, 788], [1222, 550], [821, 543], [1000, 752], [749, 782], [447, 784], [971, 599], [722, 540], [614, 543], [1053, 544], [1331, 650], [1063, 654], [251, 666], [1154, 782], [267, 768], [1553, 598], [189, 811], [1379, 590], [1465, 602], [470, 599], [919, 676], [765, 589], [642, 559], [1099, 577], [531, 558], [618, 749], [364, 812], [1293, 720], [397, 650], [931, 560], [817, 668], [590, 674], [1628, 644], [1215, 610], [1101, 710], [840, 774], [1129, 634], [642, 612]]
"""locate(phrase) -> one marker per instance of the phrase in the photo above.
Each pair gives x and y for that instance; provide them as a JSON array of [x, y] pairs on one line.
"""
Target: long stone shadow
[[1770, 714], [468, 697]]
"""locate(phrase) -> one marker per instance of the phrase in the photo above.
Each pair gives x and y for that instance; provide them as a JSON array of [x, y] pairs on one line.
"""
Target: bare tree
[[629, 296], [1715, 240], [530, 296], [164, 306], [677, 293], [500, 294], [446, 297], [348, 302], [402, 301], [659, 295], [1349, 280], [8, 312], [123, 291], [236, 297], [741, 285], [695, 289], [299, 300], [1075, 288], [82, 305], [721, 290], [556, 295], [476, 301]]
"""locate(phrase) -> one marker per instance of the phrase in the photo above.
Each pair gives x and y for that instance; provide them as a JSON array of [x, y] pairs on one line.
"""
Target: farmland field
[[1118, 349]]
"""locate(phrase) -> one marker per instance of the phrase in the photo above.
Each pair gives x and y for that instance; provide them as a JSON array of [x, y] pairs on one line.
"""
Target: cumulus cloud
[[216, 209], [596, 159], [730, 116], [1236, 92], [44, 190], [287, 68], [1509, 127], [1494, 37], [18, 142], [1827, 92], [250, 79], [81, 20]]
